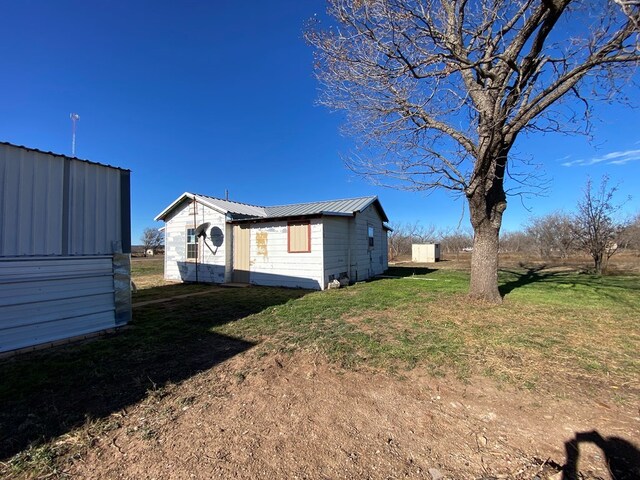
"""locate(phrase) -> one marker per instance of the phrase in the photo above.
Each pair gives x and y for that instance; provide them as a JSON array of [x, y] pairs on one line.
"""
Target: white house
[[304, 245], [65, 243]]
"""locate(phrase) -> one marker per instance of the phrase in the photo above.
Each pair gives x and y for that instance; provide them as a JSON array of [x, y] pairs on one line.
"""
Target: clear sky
[[207, 96]]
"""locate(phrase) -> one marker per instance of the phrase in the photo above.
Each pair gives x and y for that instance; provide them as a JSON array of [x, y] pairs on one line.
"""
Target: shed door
[[241, 238]]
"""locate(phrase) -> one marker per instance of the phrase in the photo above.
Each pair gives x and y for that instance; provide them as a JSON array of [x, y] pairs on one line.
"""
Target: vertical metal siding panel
[[31, 198], [51, 305], [76, 208], [113, 205], [123, 217], [95, 209], [8, 197]]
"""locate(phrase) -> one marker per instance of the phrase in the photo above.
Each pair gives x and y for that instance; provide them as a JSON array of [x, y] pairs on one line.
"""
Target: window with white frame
[[370, 233], [192, 244]]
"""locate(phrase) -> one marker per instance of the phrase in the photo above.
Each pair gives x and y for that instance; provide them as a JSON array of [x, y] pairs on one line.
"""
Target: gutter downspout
[[349, 251], [195, 221]]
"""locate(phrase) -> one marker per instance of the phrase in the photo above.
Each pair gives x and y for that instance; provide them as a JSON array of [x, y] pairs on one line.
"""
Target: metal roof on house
[[226, 207], [243, 211], [231, 207], [347, 206]]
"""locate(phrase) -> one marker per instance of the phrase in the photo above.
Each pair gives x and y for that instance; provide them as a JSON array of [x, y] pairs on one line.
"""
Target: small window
[[192, 244], [299, 234], [370, 234]]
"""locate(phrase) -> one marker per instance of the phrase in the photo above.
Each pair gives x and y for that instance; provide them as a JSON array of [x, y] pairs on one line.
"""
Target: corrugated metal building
[[305, 245], [65, 244]]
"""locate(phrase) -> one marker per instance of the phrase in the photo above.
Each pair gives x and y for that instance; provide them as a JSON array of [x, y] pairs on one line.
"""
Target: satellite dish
[[201, 230], [217, 237]]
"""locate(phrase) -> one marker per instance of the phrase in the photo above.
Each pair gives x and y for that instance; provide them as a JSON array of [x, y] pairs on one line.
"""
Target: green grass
[[141, 266], [561, 331]]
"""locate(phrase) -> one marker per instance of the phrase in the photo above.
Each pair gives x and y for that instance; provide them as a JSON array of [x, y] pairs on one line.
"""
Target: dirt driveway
[[278, 416]]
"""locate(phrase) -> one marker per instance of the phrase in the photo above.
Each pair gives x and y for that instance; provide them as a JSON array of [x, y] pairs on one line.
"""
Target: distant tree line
[[593, 228]]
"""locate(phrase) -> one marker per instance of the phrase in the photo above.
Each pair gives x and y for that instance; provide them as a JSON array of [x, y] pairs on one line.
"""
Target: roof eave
[[376, 201], [162, 215], [186, 195]]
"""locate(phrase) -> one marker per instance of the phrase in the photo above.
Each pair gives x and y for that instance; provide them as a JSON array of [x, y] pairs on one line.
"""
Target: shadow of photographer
[[621, 456]]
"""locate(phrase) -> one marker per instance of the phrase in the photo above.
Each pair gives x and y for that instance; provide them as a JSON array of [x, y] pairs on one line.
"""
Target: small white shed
[[65, 244], [305, 245], [425, 252]]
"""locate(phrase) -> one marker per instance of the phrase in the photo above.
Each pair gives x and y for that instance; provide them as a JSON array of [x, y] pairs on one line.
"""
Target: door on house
[[241, 237]]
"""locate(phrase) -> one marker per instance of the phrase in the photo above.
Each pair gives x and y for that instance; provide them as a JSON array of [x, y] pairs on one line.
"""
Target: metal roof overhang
[[289, 217], [186, 195]]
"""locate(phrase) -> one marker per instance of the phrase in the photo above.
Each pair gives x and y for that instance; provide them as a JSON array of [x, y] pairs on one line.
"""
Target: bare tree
[[152, 239], [438, 91], [595, 226], [406, 234], [515, 242], [456, 241], [552, 234], [630, 235]]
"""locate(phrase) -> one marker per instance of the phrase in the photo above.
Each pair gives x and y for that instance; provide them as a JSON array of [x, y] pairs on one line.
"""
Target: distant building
[[303, 245], [64, 247]]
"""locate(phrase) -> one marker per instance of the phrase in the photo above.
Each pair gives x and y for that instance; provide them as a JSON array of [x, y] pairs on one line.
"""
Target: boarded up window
[[299, 237], [192, 244]]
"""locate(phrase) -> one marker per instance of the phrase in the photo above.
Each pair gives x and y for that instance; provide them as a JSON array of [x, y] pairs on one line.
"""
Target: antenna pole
[[74, 118]]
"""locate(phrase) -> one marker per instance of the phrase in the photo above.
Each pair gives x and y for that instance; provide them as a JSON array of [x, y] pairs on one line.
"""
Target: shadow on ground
[[523, 277], [621, 457], [49, 393], [408, 271]]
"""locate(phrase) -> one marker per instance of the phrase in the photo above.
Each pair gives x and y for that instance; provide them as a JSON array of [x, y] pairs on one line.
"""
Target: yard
[[401, 377]]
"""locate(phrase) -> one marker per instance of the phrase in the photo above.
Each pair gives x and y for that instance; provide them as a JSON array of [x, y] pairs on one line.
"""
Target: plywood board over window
[[299, 237]]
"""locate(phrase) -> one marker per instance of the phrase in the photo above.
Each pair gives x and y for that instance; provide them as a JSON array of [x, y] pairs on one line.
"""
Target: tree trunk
[[487, 203], [597, 260], [484, 265]]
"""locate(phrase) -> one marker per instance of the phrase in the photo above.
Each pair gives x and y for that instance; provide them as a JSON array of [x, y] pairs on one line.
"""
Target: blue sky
[[208, 96]]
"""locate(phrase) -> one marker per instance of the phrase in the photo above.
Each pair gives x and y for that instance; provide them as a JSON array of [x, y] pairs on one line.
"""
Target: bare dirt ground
[[279, 416]]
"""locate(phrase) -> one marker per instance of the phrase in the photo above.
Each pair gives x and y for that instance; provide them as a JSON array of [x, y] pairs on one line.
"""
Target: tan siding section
[[241, 249]]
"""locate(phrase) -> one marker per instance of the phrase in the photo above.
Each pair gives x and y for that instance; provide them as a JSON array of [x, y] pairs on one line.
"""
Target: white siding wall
[[337, 255], [45, 299], [271, 264], [368, 262], [211, 260]]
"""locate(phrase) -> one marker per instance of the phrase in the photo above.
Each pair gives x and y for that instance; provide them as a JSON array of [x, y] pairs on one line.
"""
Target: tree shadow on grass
[[48, 393], [604, 285], [408, 271], [621, 457], [524, 277]]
